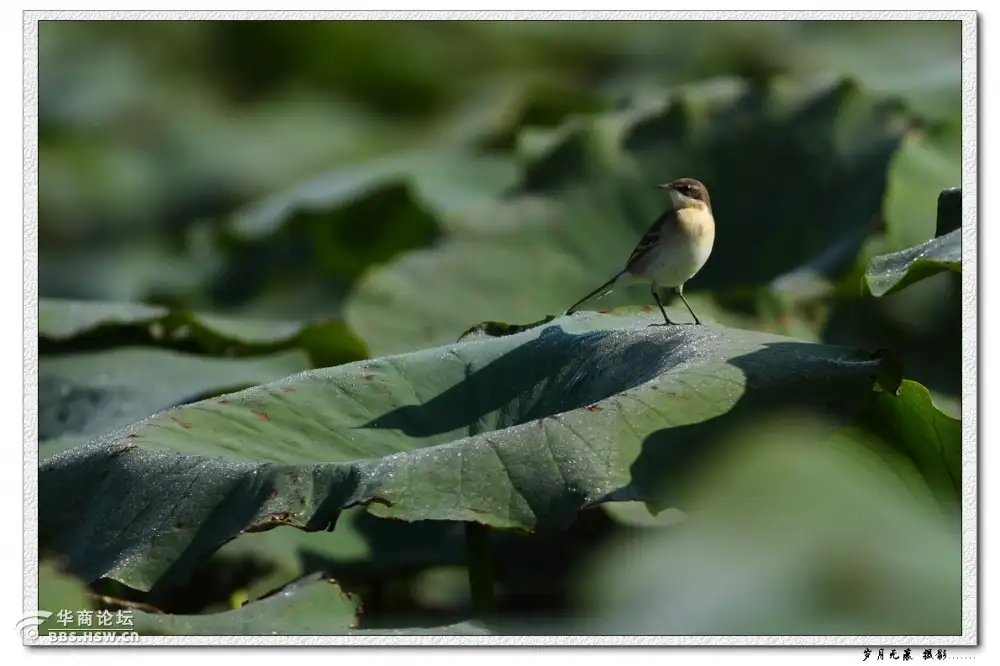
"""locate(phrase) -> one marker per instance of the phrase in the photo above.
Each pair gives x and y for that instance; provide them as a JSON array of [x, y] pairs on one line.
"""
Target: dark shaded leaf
[[949, 211], [362, 547]]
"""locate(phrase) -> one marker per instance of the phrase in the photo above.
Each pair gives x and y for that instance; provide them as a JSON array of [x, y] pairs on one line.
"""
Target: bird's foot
[[679, 323]]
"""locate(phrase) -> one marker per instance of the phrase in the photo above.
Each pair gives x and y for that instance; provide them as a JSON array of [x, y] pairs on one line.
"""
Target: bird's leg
[[680, 292], [656, 297]]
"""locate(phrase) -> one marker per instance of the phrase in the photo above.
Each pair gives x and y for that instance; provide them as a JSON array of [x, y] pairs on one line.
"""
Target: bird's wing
[[652, 236]]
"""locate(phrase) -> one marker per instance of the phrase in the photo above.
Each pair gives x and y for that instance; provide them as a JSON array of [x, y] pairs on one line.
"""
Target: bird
[[676, 246]]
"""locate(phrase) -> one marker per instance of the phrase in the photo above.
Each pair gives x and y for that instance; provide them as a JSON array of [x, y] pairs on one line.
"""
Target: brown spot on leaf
[[592, 408], [272, 521], [287, 389], [647, 308], [367, 376], [186, 426], [262, 416]]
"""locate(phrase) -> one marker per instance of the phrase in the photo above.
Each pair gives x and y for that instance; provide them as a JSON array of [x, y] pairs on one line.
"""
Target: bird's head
[[687, 193]]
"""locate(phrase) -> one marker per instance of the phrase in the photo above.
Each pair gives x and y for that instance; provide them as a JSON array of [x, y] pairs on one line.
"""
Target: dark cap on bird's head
[[688, 188]]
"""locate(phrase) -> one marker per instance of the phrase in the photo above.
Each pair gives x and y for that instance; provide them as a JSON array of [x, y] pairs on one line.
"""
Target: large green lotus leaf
[[83, 395], [519, 432], [778, 161], [796, 534], [67, 325]]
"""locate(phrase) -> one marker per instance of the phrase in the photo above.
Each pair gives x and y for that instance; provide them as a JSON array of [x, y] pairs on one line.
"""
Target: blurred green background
[[261, 167], [417, 178]]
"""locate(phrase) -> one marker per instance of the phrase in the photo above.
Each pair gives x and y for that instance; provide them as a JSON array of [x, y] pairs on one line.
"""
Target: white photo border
[[970, 395]]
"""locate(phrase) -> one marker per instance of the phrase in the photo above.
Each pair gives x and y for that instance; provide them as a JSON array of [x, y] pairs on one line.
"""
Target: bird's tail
[[601, 291]]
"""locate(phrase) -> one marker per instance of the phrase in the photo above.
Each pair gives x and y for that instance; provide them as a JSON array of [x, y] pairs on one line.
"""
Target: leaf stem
[[479, 559]]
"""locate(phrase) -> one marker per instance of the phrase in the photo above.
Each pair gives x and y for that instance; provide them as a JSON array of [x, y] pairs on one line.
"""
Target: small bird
[[674, 249]]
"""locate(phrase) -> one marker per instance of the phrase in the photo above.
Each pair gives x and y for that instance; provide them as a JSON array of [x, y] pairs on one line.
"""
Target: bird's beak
[[664, 187]]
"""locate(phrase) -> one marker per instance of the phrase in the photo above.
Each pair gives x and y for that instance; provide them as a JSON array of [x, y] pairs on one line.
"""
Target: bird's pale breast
[[684, 247]]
